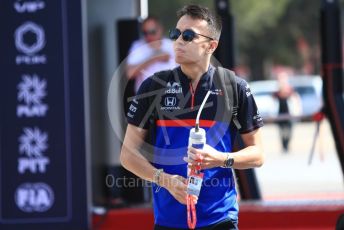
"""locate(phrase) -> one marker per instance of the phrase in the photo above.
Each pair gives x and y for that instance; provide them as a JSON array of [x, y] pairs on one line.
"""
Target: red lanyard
[[190, 204]]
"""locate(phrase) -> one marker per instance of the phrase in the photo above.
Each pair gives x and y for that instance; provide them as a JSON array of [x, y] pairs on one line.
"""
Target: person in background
[[289, 105], [150, 54]]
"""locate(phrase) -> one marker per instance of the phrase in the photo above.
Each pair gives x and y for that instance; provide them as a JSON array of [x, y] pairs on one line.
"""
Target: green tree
[[266, 31]]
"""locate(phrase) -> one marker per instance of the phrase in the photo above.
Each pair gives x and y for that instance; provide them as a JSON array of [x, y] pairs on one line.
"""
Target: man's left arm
[[249, 157], [252, 155]]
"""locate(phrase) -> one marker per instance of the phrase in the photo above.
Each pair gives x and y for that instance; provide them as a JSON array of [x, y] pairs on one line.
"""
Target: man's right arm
[[134, 161]]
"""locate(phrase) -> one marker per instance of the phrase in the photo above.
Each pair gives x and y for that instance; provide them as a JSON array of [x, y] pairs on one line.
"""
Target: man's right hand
[[177, 187]]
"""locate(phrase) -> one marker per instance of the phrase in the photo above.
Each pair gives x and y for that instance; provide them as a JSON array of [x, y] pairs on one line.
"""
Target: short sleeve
[[139, 110], [248, 114]]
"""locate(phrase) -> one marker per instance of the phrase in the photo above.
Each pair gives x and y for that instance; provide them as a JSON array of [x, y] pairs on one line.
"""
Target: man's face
[[151, 31], [196, 50]]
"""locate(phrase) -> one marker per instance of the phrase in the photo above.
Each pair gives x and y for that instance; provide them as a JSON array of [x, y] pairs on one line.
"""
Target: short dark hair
[[203, 13]]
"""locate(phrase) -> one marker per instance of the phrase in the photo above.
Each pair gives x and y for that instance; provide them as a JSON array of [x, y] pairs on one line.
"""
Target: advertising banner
[[42, 135]]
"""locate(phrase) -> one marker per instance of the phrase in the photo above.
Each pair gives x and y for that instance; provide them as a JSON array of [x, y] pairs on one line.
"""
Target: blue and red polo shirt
[[175, 107]]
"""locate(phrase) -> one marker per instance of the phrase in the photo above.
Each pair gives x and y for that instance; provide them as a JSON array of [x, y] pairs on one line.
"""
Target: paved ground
[[288, 176]]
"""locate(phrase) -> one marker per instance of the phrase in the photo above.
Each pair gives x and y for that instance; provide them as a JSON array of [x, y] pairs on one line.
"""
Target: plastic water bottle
[[197, 139]]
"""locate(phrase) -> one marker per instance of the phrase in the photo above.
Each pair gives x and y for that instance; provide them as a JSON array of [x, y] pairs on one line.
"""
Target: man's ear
[[212, 46]]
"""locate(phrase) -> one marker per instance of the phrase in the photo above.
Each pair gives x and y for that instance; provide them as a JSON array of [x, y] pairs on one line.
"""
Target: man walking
[[195, 37]]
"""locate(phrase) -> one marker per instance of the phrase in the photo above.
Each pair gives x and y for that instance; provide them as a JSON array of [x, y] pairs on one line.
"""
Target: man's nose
[[180, 40]]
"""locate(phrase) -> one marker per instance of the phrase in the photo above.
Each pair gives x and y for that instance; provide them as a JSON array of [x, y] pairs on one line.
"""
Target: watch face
[[230, 162]]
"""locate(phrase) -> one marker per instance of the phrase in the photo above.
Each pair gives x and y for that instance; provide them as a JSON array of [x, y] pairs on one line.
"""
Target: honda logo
[[170, 101]]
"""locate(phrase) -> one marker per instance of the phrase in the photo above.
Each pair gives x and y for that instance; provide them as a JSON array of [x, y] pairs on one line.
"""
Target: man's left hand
[[206, 158]]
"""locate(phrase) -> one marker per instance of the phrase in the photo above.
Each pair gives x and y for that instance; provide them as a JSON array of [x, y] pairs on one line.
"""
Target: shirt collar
[[206, 77]]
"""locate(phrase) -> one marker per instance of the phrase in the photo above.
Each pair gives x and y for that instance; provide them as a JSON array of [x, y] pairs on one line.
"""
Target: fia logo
[[32, 144], [34, 197], [31, 91], [30, 48], [170, 101]]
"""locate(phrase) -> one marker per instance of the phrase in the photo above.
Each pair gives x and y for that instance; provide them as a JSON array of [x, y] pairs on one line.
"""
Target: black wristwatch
[[228, 163]]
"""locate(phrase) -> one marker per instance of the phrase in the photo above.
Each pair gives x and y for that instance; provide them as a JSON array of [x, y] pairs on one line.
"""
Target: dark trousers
[[223, 225], [285, 128]]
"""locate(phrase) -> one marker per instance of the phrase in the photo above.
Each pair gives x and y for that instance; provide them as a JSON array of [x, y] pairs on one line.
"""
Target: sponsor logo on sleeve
[[248, 90], [257, 117], [132, 108]]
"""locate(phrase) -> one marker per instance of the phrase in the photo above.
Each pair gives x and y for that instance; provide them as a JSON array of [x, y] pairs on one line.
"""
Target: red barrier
[[252, 217]]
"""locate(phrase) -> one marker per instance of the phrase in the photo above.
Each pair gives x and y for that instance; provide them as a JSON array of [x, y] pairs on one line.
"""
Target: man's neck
[[194, 71]]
